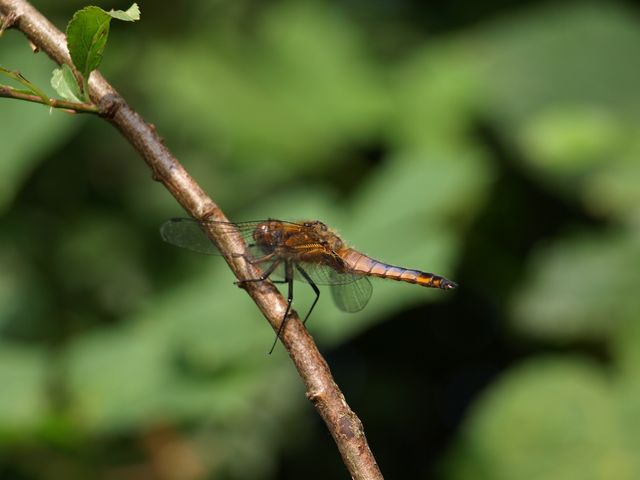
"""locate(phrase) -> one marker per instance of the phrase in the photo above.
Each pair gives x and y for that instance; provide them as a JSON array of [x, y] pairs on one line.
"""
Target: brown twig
[[73, 107], [322, 390]]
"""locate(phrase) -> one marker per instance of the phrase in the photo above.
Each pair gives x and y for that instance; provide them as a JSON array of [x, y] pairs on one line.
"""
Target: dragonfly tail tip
[[448, 285]]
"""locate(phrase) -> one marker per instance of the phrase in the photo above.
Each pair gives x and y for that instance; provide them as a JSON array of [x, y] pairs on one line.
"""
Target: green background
[[496, 144]]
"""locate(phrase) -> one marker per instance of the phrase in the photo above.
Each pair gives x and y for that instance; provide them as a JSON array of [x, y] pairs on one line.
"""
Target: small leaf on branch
[[65, 84], [131, 15], [14, 74], [87, 35], [10, 89], [32, 88]]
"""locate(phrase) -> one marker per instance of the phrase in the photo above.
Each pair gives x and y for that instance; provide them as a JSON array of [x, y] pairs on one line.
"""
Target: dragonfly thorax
[[324, 236], [295, 239]]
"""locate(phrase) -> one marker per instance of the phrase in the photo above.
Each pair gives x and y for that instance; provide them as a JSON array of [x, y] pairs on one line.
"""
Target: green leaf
[[65, 84], [15, 75], [6, 72], [131, 15], [32, 89], [87, 35]]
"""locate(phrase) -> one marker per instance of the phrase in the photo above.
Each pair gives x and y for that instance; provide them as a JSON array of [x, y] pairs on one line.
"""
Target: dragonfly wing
[[352, 297], [188, 233], [350, 292], [324, 274]]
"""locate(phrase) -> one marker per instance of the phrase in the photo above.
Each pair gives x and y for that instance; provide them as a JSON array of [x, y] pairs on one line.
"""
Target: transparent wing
[[352, 297], [319, 274], [322, 274], [190, 234], [350, 292]]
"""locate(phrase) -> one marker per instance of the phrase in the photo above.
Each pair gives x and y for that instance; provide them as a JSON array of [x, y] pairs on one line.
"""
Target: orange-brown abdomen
[[360, 263]]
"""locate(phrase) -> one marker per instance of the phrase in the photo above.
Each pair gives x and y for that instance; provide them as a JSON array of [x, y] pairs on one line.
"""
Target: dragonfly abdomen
[[365, 265]]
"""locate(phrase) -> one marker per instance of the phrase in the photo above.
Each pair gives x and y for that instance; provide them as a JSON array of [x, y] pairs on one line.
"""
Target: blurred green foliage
[[117, 350]]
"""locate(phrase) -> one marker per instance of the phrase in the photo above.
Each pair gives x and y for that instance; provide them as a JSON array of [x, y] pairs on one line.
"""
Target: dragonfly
[[307, 251]]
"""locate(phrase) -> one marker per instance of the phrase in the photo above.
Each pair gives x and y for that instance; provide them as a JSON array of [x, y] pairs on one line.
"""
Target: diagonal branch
[[322, 390]]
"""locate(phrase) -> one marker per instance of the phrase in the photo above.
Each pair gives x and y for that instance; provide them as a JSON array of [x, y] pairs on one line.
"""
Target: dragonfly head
[[267, 235]]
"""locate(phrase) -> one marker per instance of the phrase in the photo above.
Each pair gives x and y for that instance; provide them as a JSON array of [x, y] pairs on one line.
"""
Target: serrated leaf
[[65, 84], [132, 14], [87, 35]]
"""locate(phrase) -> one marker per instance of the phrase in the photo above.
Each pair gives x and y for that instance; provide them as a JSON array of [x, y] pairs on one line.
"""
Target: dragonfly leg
[[289, 280], [315, 288], [264, 275], [264, 258]]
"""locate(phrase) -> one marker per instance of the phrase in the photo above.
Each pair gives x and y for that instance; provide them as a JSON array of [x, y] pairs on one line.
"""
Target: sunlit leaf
[[132, 14], [87, 35], [65, 84]]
